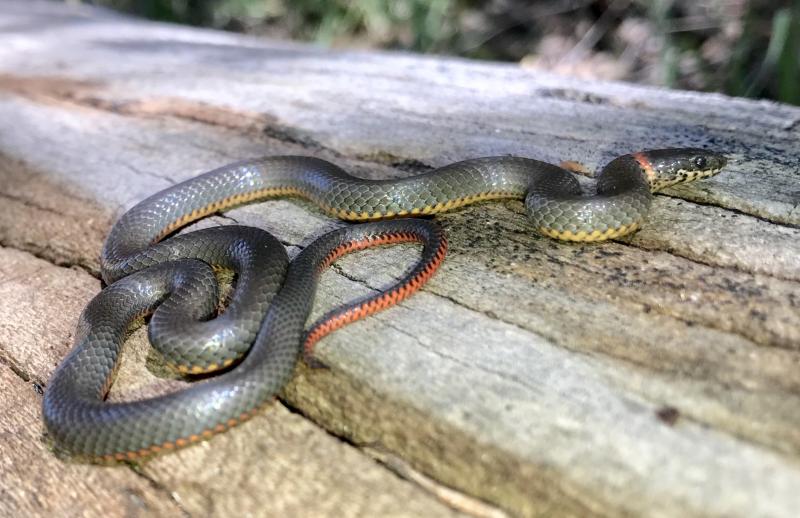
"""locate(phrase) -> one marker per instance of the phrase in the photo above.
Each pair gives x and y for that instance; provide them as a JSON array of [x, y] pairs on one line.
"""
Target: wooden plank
[[37, 483], [280, 463], [35, 328], [654, 375]]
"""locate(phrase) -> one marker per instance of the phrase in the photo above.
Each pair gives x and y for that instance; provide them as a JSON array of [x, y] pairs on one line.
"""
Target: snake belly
[[265, 318]]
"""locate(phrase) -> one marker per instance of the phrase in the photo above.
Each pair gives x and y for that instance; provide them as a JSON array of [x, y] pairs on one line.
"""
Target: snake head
[[666, 167]]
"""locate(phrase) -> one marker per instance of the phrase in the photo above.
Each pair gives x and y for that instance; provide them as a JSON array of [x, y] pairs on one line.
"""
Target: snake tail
[[81, 422], [431, 260]]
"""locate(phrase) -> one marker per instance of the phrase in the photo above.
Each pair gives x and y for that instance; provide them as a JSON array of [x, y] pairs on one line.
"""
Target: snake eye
[[700, 162]]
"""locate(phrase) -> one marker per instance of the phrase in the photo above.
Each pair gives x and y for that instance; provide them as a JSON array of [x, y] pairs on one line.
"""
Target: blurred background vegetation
[[747, 48]]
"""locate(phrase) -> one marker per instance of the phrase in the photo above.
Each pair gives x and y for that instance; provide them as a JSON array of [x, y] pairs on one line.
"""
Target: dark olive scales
[[82, 423], [265, 319]]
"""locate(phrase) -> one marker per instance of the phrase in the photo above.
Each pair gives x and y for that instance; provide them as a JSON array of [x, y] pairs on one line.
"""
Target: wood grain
[[655, 375]]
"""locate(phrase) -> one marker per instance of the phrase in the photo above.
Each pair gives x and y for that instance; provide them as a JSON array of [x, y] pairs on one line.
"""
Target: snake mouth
[[667, 167], [683, 176], [689, 176]]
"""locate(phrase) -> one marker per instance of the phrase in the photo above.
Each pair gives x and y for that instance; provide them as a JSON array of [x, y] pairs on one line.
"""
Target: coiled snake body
[[263, 324]]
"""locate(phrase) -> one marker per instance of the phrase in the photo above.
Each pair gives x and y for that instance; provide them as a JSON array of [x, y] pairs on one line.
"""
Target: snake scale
[[262, 329]]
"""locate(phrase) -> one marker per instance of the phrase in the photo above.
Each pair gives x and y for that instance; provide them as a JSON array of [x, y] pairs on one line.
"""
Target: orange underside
[[386, 300]]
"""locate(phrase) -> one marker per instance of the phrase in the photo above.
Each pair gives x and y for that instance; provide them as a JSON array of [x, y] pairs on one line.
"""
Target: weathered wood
[[654, 375], [280, 464]]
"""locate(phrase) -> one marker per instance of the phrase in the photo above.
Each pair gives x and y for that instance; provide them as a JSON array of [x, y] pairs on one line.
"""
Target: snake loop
[[262, 328]]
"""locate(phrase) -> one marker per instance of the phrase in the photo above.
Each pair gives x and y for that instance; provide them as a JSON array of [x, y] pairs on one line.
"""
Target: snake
[[258, 337]]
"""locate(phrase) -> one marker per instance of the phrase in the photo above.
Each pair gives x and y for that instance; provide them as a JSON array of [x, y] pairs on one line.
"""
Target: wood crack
[[152, 174], [453, 498], [481, 367], [696, 260], [495, 317], [160, 488], [31, 204], [59, 260], [16, 368], [689, 322], [734, 210]]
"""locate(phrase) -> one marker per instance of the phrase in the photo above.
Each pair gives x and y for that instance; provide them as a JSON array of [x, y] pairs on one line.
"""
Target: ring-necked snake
[[262, 327]]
